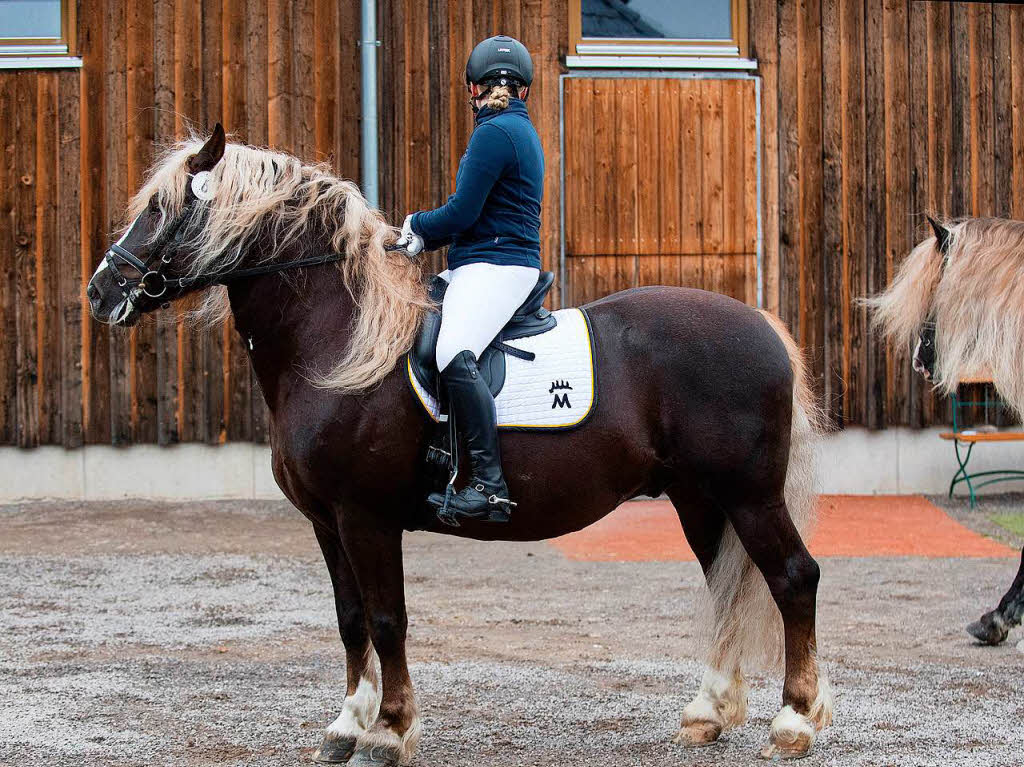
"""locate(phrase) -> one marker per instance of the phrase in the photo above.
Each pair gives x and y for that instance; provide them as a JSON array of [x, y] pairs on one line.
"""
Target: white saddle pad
[[555, 391]]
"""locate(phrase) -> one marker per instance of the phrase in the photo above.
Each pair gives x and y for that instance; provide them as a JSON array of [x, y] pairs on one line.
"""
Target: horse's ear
[[211, 152], [941, 235]]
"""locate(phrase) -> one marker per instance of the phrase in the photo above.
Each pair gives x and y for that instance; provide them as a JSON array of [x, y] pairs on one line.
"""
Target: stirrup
[[498, 509]]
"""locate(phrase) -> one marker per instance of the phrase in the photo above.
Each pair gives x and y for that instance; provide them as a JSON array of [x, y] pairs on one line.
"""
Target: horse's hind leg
[[994, 626], [362, 696], [773, 543], [721, 701]]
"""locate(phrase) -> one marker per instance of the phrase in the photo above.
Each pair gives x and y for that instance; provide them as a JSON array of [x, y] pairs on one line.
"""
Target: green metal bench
[[965, 438]]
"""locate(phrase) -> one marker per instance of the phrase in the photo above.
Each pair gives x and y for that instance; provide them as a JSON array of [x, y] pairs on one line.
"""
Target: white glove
[[412, 242]]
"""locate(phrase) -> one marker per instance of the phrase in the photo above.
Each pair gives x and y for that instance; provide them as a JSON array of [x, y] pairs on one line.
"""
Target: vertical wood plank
[[167, 352], [835, 54], [649, 180], [214, 70], [96, 373], [898, 219], [790, 275], [27, 408], [325, 77], [624, 208], [115, 149], [1002, 114], [1017, 109], [279, 75], [733, 190], [47, 256], [141, 130], [712, 184], [809, 121], [751, 202], [875, 184], [691, 182], [188, 103], [303, 81], [8, 247], [73, 311], [668, 175], [248, 404]]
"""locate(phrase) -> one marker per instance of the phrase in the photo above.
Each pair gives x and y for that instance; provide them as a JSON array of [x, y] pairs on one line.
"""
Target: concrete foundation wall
[[854, 461]]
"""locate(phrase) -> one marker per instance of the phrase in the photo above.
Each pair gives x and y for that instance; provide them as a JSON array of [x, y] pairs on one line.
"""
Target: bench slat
[[992, 436]]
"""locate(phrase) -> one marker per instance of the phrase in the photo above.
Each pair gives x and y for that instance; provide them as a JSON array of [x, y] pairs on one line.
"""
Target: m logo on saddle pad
[[561, 400], [563, 364]]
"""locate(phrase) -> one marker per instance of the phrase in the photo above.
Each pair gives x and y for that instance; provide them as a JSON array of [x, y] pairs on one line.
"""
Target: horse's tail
[[744, 622]]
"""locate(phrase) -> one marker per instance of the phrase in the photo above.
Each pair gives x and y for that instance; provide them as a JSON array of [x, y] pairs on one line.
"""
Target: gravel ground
[[139, 634]]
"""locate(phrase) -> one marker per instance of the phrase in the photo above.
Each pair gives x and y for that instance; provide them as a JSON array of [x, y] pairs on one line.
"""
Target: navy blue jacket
[[494, 215]]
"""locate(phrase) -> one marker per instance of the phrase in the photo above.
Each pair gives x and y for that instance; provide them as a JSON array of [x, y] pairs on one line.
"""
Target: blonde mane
[[976, 302], [266, 201]]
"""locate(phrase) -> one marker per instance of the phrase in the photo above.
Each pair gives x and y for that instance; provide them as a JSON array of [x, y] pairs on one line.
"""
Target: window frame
[[658, 51], [44, 52]]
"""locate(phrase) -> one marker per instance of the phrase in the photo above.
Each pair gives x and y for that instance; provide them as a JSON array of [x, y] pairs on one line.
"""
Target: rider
[[492, 227]]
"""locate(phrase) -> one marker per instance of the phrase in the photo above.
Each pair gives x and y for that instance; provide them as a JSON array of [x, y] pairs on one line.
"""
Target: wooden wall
[[875, 112], [660, 185]]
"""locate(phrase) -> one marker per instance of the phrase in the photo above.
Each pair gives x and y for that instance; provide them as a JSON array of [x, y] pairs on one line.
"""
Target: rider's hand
[[411, 241]]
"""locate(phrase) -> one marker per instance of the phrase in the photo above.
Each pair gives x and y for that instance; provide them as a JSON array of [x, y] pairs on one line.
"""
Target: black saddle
[[530, 319]]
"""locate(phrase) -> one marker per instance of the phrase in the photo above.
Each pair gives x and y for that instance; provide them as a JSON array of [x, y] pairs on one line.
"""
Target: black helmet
[[498, 57]]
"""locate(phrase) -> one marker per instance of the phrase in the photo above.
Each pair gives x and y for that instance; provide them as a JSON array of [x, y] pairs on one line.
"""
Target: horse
[[701, 397], [958, 300]]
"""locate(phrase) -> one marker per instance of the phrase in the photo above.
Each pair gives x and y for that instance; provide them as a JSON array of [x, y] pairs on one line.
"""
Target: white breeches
[[480, 299]]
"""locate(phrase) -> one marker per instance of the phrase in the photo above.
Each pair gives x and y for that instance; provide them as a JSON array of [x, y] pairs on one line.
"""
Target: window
[[657, 33], [37, 33]]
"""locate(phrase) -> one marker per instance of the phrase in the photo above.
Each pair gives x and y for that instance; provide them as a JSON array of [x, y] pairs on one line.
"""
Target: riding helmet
[[499, 57]]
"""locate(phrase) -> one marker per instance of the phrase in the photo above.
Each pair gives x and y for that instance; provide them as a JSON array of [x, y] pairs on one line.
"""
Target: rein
[[153, 283]]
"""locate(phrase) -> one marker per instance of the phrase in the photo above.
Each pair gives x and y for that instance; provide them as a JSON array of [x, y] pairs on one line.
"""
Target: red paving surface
[[848, 526]]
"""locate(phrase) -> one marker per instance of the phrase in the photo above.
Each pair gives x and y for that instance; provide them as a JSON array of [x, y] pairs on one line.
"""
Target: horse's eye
[[154, 204]]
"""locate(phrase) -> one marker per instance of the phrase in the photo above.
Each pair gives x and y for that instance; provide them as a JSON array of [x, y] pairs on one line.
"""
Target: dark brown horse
[[700, 397]]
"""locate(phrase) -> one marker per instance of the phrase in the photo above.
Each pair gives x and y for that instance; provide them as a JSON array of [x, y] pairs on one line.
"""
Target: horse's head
[[924, 351], [905, 312], [148, 266]]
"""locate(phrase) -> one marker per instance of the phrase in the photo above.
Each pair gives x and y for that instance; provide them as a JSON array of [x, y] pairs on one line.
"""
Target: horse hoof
[[698, 734], [990, 629], [791, 737], [335, 750], [375, 756]]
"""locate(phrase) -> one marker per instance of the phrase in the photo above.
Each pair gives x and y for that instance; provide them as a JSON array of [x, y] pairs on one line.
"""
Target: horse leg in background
[[994, 626], [721, 702], [375, 552], [362, 695], [773, 543]]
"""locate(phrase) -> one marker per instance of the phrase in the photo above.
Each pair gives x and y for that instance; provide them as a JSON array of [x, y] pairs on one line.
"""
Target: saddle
[[530, 319]]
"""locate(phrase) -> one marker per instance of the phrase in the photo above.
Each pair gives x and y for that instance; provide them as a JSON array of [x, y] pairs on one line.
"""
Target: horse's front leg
[[362, 695], [375, 552]]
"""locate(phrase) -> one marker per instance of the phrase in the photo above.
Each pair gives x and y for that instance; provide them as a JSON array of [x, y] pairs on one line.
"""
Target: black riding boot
[[485, 497]]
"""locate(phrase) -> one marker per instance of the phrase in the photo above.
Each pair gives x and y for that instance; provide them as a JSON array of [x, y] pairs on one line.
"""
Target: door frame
[[624, 74]]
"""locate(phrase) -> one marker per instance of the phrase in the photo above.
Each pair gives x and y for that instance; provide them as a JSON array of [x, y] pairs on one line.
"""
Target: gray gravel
[[140, 634]]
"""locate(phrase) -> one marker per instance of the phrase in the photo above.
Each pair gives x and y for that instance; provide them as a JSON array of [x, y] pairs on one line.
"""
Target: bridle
[[153, 283]]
